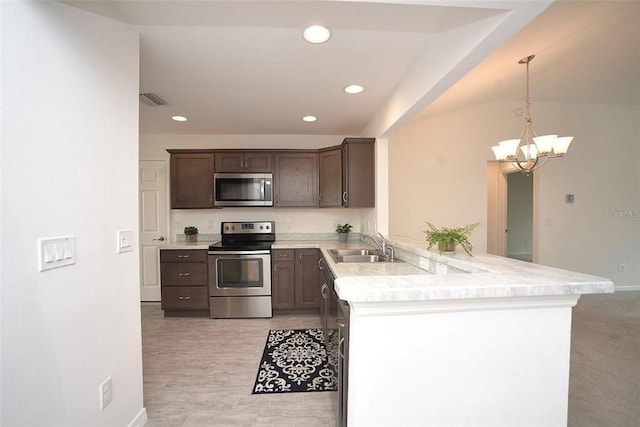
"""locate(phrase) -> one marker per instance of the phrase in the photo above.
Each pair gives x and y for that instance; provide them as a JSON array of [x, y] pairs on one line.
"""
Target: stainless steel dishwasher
[[335, 322]]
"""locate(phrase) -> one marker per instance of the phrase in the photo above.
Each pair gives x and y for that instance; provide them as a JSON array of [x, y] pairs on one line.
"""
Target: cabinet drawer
[[187, 255], [283, 255], [185, 298], [183, 273]]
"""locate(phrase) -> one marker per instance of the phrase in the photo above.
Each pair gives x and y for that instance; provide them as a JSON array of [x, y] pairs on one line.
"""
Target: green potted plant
[[343, 231], [446, 238], [191, 234]]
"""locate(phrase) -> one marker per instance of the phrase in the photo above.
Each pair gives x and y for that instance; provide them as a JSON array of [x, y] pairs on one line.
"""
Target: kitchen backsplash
[[292, 222]]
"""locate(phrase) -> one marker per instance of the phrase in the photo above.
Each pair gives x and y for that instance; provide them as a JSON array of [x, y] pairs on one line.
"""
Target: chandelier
[[530, 151]]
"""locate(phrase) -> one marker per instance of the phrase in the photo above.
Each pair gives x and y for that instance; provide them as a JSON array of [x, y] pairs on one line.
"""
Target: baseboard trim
[[626, 288], [139, 419]]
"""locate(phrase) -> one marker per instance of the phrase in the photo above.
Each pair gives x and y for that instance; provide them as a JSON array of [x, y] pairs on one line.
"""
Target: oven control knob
[[261, 227]]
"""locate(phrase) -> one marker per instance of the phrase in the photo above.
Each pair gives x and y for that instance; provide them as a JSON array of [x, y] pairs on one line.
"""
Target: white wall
[[69, 164], [303, 220], [438, 174]]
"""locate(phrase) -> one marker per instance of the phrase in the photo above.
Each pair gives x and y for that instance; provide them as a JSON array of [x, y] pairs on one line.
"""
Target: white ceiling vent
[[152, 99]]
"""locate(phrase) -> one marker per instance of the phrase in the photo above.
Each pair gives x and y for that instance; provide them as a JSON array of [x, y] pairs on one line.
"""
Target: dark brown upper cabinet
[[358, 173], [340, 176], [243, 161], [330, 179], [191, 180], [296, 179]]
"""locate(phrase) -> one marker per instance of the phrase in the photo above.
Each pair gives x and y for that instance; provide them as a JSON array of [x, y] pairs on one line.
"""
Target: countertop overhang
[[424, 275]]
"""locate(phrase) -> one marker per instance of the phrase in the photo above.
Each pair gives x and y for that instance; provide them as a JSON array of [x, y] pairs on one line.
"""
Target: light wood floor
[[200, 372]]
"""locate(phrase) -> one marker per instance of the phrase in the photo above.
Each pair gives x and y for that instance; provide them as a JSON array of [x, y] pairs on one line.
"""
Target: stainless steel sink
[[349, 252], [358, 255]]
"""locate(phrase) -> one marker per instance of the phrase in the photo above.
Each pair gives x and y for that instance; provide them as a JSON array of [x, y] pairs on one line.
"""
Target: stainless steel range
[[240, 270]]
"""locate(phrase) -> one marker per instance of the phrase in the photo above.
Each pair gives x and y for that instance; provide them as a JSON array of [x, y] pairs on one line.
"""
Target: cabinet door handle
[[184, 298], [184, 274], [344, 197], [323, 291], [320, 261], [184, 256]]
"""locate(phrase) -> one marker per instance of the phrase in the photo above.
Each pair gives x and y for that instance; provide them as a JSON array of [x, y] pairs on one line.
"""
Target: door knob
[[161, 238]]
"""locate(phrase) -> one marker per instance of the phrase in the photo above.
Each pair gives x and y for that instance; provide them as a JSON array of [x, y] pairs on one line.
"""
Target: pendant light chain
[[527, 98]]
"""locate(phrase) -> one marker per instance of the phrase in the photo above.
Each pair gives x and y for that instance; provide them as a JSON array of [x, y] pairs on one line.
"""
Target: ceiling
[[242, 67]]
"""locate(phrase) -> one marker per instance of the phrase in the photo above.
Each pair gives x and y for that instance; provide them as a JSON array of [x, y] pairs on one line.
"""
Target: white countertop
[[456, 276], [185, 245]]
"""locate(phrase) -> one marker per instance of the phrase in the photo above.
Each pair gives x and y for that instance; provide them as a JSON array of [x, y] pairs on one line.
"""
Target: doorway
[[520, 216], [512, 220]]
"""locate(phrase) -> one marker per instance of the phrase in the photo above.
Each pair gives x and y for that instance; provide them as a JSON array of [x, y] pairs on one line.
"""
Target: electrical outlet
[[621, 268], [106, 393]]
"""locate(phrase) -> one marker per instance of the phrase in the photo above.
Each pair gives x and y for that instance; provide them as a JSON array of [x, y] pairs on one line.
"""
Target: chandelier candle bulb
[[561, 145], [498, 151], [530, 151], [544, 143], [510, 147]]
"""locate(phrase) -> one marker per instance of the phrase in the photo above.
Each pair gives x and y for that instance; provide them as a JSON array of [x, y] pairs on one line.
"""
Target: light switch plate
[[125, 241], [56, 252]]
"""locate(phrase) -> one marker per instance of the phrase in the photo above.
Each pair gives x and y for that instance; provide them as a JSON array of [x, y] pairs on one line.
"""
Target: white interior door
[[153, 225]]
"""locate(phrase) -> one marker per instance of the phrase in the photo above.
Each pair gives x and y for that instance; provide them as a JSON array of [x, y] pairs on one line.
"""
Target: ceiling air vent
[[152, 99]]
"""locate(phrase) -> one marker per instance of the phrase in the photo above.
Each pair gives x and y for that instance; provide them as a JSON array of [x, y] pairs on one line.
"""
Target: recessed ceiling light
[[316, 34], [179, 118], [353, 89], [309, 118]]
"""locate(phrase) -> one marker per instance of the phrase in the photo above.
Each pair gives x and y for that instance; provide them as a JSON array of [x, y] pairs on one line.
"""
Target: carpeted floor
[[604, 383]]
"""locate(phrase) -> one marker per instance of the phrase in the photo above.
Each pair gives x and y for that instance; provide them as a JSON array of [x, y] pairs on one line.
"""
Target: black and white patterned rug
[[295, 360]]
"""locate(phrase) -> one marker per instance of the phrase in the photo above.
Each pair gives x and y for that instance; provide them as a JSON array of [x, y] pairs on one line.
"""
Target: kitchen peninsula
[[453, 339], [457, 340]]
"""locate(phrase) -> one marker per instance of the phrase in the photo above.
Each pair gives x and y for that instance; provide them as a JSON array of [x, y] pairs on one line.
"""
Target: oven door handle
[[257, 252]]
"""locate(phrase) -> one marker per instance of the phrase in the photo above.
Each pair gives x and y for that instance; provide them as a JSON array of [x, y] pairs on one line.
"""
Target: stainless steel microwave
[[243, 189]]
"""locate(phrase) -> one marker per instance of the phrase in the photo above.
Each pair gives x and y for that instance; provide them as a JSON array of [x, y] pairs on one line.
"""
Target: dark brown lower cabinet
[[283, 279], [295, 279], [185, 282]]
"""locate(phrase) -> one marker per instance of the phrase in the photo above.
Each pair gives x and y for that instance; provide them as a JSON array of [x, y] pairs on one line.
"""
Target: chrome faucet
[[382, 245]]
